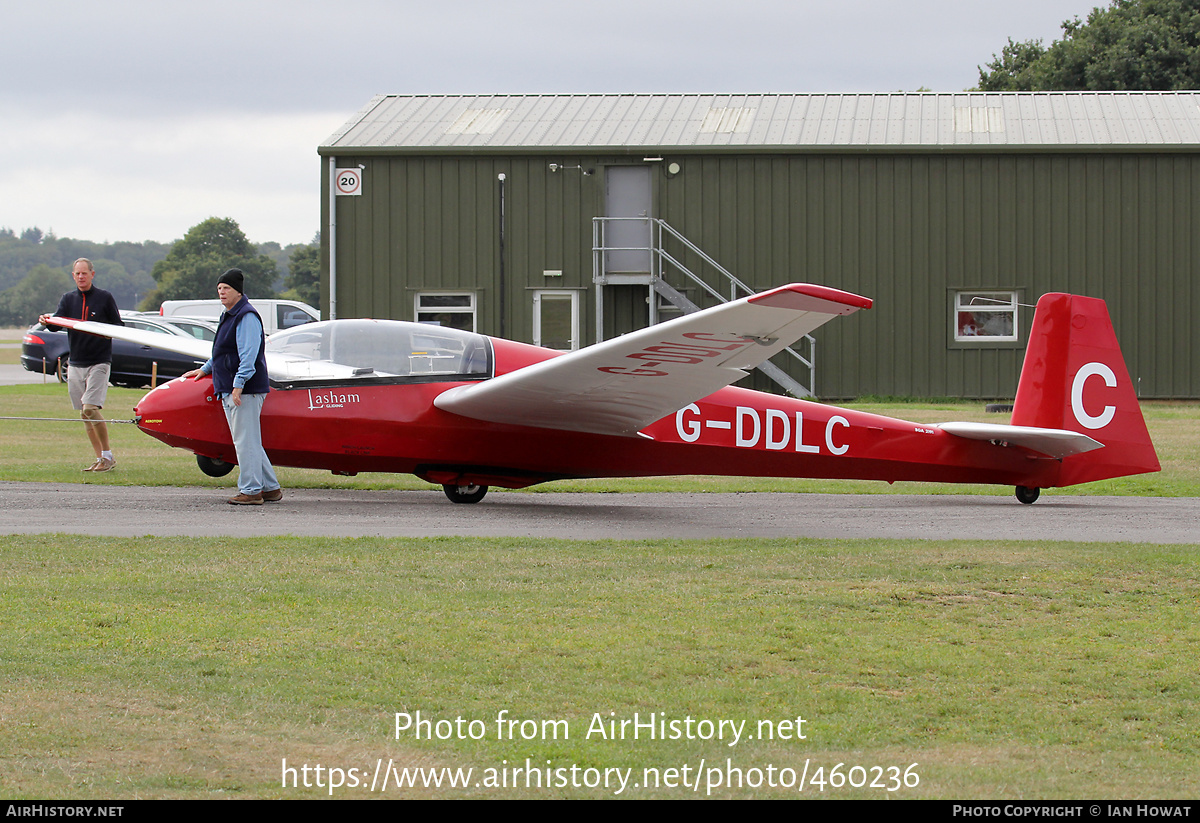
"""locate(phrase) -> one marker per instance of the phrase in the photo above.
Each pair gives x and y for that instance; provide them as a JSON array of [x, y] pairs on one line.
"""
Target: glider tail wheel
[[1027, 494], [464, 494], [212, 466]]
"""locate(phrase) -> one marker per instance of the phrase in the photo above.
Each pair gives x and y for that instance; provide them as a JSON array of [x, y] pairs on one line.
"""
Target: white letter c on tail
[[1086, 420]]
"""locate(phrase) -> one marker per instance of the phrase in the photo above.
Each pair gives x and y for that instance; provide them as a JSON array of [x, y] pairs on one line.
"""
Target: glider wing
[[622, 385]]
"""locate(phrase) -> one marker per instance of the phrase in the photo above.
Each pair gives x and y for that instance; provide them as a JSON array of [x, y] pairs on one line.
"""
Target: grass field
[[10, 348], [194, 667]]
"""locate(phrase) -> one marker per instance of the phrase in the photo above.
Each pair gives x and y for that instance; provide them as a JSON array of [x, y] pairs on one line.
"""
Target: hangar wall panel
[[909, 230], [906, 229], [433, 224]]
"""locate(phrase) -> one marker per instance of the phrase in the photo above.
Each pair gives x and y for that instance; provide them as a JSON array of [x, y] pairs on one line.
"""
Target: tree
[[138, 259], [18, 256], [277, 253], [1016, 69], [37, 293], [304, 276], [123, 267], [126, 288], [191, 269], [1144, 45]]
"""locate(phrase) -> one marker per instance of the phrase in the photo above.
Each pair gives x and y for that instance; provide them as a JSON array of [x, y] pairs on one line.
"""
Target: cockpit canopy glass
[[376, 350]]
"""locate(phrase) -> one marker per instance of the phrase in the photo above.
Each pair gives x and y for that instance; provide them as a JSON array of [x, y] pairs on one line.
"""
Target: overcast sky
[[137, 119]]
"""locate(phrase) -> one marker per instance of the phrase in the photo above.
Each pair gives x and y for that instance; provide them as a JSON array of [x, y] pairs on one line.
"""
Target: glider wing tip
[[811, 297]]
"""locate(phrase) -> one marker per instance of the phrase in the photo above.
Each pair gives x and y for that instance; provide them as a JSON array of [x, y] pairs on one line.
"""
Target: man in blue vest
[[239, 370]]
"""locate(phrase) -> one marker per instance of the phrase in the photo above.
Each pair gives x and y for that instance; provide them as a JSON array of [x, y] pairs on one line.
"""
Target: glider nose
[[182, 408], [156, 406]]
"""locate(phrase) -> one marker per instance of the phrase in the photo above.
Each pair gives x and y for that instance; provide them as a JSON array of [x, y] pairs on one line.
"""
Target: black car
[[45, 350]]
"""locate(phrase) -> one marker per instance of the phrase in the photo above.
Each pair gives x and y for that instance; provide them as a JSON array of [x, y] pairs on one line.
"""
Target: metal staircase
[[661, 261]]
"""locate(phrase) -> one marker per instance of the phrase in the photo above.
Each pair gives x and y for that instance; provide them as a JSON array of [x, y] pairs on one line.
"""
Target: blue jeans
[[255, 474]]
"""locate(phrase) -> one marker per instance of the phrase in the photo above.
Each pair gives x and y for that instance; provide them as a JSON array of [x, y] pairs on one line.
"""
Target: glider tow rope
[[69, 420]]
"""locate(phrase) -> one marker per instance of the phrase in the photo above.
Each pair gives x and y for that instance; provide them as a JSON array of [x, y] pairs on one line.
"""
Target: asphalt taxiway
[[100, 508]]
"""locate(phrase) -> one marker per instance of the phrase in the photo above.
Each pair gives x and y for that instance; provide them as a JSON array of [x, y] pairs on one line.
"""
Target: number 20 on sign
[[349, 181]]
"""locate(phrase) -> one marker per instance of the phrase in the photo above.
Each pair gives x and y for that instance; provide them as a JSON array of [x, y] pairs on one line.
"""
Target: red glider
[[468, 411]]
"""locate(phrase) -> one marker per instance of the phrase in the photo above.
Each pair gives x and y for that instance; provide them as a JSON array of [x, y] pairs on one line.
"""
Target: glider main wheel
[[464, 494], [1027, 494], [212, 466]]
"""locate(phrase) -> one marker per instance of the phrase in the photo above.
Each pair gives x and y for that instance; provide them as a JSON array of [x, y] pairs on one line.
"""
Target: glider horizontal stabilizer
[[1050, 442]]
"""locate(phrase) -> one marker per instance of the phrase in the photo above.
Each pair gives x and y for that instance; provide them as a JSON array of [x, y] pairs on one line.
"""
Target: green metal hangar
[[564, 219]]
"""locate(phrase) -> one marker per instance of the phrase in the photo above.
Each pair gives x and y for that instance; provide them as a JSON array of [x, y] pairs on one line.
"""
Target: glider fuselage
[[395, 427]]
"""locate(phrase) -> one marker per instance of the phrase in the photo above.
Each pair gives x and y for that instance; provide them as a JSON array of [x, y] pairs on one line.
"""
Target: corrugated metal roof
[[596, 122]]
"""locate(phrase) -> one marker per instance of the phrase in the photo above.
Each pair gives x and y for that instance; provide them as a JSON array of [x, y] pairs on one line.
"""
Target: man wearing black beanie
[[239, 370]]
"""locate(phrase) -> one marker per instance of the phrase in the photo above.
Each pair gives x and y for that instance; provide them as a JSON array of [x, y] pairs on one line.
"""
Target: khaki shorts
[[88, 385]]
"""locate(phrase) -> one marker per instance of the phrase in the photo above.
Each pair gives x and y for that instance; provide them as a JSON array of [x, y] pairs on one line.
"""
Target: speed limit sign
[[348, 181]]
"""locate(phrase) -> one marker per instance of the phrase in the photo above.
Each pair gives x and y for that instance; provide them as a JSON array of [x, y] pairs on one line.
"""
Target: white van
[[276, 314]]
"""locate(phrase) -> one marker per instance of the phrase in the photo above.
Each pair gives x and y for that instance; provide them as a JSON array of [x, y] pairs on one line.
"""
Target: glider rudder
[[1074, 378]]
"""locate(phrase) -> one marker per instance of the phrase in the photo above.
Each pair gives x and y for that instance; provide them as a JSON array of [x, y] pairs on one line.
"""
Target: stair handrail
[[659, 254]]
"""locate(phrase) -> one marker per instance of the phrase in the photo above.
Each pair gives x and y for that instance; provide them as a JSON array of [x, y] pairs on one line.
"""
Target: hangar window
[[453, 309], [985, 316]]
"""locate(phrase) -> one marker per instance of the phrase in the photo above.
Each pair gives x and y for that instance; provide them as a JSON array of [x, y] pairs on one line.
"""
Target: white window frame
[[991, 301], [469, 308], [537, 314]]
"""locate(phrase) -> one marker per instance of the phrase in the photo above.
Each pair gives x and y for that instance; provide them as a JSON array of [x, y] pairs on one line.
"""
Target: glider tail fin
[[1074, 378]]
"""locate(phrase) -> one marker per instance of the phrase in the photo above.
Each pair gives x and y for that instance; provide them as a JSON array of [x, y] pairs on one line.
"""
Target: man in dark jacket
[[90, 358], [239, 370]]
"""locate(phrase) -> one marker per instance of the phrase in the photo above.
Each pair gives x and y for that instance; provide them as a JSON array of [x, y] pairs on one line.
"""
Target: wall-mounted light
[[557, 167]]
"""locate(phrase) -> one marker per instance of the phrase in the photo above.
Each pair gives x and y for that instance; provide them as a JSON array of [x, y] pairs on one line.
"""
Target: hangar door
[[627, 198]]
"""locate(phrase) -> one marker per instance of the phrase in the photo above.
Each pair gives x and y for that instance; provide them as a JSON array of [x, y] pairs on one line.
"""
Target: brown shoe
[[273, 496], [246, 499], [92, 467], [104, 465]]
